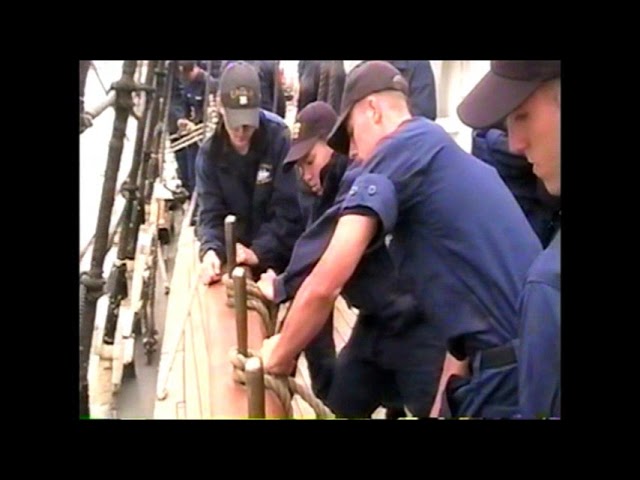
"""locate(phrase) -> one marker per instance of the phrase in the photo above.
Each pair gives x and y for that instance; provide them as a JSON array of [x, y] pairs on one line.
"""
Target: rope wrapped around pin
[[284, 387], [255, 301]]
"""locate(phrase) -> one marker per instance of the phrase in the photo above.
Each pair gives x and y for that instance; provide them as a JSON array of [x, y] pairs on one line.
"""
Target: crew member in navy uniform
[[460, 243], [525, 94], [540, 207], [187, 110], [394, 356], [239, 171]]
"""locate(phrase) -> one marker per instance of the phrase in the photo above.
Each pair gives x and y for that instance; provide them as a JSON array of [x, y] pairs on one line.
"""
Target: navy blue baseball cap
[[313, 123], [507, 85]]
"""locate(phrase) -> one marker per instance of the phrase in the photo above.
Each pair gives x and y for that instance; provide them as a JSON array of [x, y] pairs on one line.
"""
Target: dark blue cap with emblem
[[240, 95], [313, 123]]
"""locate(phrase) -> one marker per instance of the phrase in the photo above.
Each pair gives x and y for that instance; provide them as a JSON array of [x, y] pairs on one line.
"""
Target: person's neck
[[243, 150], [391, 124], [395, 121]]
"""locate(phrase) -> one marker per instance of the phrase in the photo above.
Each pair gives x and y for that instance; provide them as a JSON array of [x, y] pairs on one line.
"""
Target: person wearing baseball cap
[[309, 150], [239, 172], [525, 95], [365, 79], [187, 111], [447, 214], [271, 85], [422, 86], [319, 171], [345, 384]]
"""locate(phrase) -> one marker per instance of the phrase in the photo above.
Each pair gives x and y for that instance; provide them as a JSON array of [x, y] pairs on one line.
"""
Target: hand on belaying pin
[[245, 256], [271, 363], [210, 268], [265, 284]]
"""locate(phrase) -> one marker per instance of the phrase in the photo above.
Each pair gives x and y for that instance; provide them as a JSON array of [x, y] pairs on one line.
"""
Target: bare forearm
[[310, 309], [314, 301]]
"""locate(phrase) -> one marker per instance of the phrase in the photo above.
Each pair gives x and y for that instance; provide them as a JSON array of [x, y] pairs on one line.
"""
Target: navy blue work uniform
[[539, 354], [541, 209], [422, 86], [462, 247], [321, 351], [191, 106], [393, 355], [255, 189]]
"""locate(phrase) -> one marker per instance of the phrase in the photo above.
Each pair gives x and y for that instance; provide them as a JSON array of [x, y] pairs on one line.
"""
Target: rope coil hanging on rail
[[283, 387], [255, 301]]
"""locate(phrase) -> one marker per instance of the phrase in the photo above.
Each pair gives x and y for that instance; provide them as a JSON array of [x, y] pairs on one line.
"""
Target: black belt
[[497, 357]]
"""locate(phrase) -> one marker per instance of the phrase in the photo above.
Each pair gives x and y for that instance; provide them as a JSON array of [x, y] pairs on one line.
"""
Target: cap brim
[[242, 116], [339, 138], [299, 150], [493, 99]]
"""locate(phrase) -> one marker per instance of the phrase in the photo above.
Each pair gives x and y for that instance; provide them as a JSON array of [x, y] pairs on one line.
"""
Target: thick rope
[[323, 83], [283, 387], [334, 94], [255, 301]]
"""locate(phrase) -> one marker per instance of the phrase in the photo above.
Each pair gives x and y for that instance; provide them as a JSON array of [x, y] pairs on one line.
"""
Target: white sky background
[[94, 148]]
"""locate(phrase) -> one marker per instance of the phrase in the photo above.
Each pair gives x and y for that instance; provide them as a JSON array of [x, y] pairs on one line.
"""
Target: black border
[[65, 170]]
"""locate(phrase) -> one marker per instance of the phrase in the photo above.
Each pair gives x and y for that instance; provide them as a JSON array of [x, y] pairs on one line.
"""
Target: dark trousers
[[321, 359], [491, 391], [375, 369]]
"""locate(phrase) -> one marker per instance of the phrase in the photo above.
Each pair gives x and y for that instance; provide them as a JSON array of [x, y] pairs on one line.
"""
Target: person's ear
[[373, 110]]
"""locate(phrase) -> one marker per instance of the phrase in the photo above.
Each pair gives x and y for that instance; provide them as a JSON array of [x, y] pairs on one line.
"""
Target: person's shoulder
[[420, 132], [274, 125], [272, 120], [546, 268]]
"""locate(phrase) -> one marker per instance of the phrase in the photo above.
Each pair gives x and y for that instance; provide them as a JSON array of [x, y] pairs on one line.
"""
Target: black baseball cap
[[313, 123], [365, 79], [503, 89], [240, 95]]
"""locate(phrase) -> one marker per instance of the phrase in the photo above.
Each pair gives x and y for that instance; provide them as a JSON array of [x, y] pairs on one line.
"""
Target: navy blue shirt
[[541, 209], [386, 305], [254, 188], [460, 241], [539, 354]]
